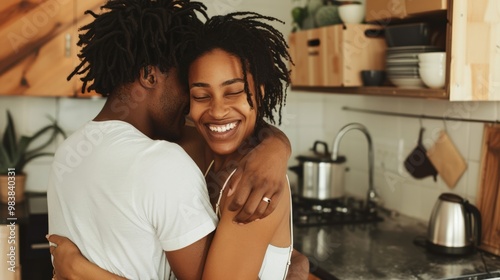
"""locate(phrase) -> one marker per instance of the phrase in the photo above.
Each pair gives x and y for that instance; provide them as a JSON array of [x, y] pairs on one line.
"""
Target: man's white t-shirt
[[124, 199]]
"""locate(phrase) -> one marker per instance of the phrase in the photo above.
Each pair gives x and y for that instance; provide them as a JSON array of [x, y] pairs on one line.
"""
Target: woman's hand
[[260, 174], [70, 264], [66, 257]]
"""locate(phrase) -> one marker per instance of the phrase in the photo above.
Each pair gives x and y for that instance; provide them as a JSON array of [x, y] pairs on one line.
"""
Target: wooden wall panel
[[489, 190], [31, 26], [39, 48]]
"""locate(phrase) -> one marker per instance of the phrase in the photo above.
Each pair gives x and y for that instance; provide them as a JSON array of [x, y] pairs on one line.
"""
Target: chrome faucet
[[372, 197]]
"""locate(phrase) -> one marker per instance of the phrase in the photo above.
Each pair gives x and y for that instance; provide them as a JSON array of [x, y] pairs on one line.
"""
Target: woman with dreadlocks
[[237, 77]]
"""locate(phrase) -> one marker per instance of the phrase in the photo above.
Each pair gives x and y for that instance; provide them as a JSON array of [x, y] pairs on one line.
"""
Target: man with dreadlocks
[[132, 200]]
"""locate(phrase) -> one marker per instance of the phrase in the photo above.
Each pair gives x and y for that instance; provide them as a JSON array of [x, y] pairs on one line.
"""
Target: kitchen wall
[[318, 116], [315, 116]]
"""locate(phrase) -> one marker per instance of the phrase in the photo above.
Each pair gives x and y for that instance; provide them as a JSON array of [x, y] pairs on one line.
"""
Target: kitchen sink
[[478, 276]]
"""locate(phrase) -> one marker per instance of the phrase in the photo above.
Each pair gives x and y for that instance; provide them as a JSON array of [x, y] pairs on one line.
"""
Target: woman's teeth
[[222, 128]]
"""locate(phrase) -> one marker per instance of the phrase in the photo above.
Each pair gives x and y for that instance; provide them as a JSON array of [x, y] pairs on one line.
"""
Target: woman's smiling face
[[218, 101]]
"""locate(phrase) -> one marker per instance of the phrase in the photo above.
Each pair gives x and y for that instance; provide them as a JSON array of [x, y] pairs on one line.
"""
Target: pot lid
[[318, 155], [320, 158]]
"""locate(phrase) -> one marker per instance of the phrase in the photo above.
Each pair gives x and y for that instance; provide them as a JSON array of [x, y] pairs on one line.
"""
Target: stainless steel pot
[[319, 176]]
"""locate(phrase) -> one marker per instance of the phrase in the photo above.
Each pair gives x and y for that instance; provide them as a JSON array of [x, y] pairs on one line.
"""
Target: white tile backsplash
[[37, 174], [311, 114], [473, 173], [37, 113], [393, 139], [482, 110], [74, 112]]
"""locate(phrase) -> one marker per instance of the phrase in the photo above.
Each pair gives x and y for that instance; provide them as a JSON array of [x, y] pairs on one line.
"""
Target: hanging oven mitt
[[417, 163], [448, 161]]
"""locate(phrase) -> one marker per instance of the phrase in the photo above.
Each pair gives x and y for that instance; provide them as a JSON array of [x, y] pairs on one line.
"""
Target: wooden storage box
[[334, 55], [424, 6], [382, 11]]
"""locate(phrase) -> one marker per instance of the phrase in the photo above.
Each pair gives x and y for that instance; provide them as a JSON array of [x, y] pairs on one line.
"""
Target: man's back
[[124, 199]]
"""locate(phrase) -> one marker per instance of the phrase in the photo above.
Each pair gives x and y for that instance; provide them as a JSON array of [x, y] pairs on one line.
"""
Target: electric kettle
[[451, 226]]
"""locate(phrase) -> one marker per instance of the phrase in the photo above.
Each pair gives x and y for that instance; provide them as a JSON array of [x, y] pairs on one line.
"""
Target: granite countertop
[[383, 250]]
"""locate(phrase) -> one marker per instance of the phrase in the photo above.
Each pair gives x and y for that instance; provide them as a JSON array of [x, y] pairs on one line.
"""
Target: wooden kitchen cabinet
[[471, 40], [475, 57], [40, 50]]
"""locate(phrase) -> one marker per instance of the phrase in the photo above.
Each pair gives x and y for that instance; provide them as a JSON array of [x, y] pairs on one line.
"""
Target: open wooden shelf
[[380, 91]]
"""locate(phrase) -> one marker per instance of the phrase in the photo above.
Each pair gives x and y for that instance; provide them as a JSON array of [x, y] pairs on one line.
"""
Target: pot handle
[[322, 143], [477, 220]]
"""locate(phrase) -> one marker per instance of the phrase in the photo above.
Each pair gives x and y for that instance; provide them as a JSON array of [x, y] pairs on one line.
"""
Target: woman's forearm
[[275, 140], [85, 270], [69, 263]]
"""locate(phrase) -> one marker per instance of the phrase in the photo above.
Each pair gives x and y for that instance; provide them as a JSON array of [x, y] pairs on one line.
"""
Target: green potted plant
[[16, 152]]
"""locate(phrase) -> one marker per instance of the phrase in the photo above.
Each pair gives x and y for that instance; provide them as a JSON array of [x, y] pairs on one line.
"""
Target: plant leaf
[[9, 138], [15, 154], [55, 130], [5, 162], [21, 156]]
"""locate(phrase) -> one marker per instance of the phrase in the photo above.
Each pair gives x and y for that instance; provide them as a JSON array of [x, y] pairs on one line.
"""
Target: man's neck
[[124, 108]]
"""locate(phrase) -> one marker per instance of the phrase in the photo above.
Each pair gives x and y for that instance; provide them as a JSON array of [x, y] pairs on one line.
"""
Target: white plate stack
[[402, 65]]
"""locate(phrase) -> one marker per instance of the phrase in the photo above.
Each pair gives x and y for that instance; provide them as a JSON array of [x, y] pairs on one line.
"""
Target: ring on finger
[[266, 199], [51, 244]]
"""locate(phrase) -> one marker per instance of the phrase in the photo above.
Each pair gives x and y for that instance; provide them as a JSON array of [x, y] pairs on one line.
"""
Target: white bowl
[[432, 65], [433, 78], [407, 82], [352, 13], [437, 57]]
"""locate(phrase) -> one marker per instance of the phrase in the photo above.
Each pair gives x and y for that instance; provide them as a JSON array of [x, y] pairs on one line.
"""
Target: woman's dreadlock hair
[[130, 35], [261, 49]]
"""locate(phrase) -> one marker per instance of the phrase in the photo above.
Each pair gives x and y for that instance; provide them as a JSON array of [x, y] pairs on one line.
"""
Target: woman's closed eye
[[200, 97], [235, 92]]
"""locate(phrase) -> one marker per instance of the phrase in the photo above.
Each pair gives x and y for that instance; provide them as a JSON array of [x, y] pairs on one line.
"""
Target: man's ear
[[148, 76]]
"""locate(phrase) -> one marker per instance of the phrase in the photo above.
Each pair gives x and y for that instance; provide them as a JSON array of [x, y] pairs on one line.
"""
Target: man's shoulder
[[169, 159], [161, 150]]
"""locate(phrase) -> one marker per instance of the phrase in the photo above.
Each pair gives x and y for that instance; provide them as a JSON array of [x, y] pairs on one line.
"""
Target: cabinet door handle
[[67, 45], [313, 43]]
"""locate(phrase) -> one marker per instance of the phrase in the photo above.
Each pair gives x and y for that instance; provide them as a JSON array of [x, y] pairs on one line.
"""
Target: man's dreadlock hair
[[130, 35], [261, 49]]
